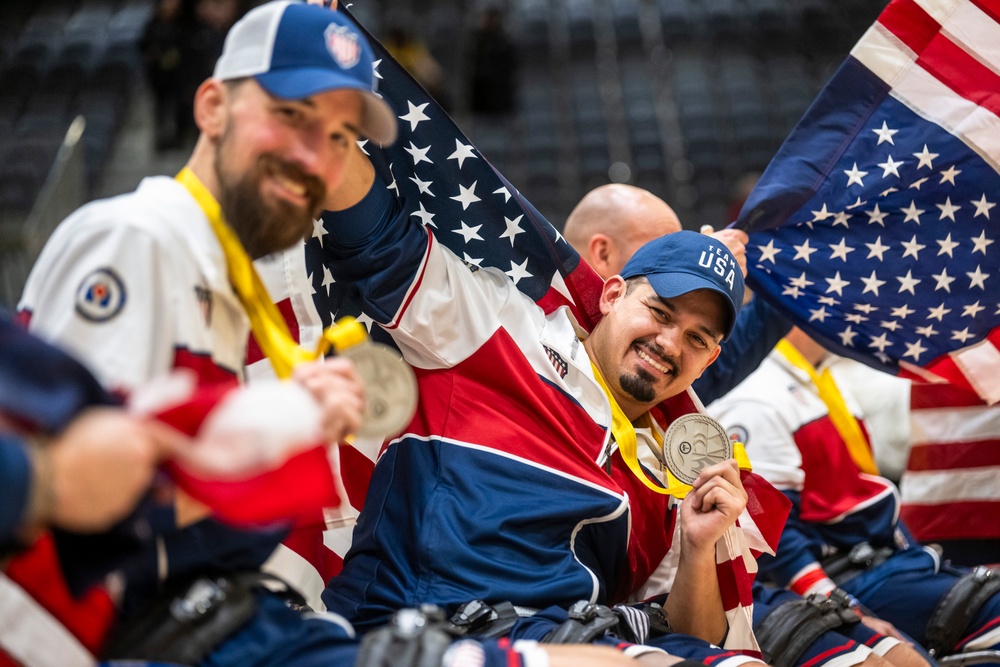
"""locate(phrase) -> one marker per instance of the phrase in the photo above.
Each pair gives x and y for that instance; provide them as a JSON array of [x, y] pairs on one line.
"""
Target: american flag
[[875, 229], [472, 209], [949, 488], [875, 226]]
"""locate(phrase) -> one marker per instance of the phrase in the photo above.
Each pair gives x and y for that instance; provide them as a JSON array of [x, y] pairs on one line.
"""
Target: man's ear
[[715, 355], [613, 290], [210, 103], [599, 253]]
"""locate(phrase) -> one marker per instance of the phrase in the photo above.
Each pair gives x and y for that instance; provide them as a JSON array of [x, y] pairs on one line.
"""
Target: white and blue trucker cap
[[684, 261], [295, 50]]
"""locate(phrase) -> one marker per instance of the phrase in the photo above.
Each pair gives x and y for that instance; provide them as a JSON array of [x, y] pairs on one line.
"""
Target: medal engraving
[[692, 443]]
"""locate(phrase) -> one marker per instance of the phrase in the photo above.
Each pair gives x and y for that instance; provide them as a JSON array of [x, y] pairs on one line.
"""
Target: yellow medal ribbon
[[268, 326], [623, 432], [845, 422]]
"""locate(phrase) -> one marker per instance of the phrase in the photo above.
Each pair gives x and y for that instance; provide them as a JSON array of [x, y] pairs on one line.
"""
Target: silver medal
[[692, 443], [390, 389]]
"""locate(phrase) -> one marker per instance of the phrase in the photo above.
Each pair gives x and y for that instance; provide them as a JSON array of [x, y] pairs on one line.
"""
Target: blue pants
[[905, 589], [831, 644]]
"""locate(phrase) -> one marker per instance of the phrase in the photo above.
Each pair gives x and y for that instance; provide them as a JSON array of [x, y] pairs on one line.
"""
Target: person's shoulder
[[154, 208]]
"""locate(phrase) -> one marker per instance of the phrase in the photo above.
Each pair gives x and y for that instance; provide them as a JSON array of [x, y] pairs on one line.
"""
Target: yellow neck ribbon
[[623, 432], [268, 326], [845, 422]]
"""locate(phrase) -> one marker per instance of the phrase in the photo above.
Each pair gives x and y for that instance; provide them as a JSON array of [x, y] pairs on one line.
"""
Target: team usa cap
[[684, 261], [295, 50]]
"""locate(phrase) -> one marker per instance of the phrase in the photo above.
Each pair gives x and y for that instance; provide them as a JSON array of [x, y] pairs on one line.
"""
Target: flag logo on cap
[[343, 45]]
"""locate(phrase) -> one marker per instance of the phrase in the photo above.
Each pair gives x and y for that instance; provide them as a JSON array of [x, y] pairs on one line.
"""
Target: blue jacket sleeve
[[15, 479], [758, 329], [375, 252], [799, 548]]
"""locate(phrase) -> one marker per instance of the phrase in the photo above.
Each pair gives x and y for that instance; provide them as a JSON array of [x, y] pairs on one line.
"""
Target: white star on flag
[[983, 207], [926, 158], [462, 153], [803, 251], [884, 134], [912, 212], [426, 218], [466, 195], [768, 252], [876, 249], [890, 167], [415, 115], [836, 284], [319, 231], [947, 210], [424, 186], [876, 217], [854, 175], [948, 175], [468, 233], [947, 246], [513, 229], [518, 271], [418, 154]]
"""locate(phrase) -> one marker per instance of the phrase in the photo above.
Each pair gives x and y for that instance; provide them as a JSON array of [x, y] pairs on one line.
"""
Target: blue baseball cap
[[684, 261], [295, 50]]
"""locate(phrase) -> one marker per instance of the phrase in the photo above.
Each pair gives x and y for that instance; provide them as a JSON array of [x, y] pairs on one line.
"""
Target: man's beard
[[261, 227], [641, 384], [638, 385]]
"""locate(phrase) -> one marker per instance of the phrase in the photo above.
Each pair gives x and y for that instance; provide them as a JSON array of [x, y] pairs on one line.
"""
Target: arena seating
[[686, 94]]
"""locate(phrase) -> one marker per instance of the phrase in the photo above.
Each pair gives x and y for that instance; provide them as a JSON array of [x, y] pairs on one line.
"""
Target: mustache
[[657, 352], [315, 188]]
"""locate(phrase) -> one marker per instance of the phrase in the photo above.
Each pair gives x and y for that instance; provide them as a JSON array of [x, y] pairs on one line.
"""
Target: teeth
[[291, 185], [658, 366]]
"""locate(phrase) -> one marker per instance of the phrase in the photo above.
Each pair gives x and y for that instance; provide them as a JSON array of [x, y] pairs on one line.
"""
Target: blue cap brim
[[379, 121], [674, 284]]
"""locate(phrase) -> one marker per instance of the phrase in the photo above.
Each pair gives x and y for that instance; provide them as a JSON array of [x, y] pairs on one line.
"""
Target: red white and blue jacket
[[791, 441], [501, 488]]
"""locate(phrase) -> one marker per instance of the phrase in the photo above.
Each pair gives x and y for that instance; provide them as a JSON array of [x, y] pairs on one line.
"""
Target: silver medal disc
[[692, 443], [390, 389]]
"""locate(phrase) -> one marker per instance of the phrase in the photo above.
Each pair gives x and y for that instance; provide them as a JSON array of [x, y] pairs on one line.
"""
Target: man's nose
[[310, 153], [668, 340]]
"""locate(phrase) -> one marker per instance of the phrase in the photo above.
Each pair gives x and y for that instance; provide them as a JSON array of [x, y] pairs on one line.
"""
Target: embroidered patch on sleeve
[[739, 434], [100, 296]]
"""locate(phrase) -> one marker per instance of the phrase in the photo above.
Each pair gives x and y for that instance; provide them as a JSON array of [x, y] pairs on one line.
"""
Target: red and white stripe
[[942, 60], [951, 487]]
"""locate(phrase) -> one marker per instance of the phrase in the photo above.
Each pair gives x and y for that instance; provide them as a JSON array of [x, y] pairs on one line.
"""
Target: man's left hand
[[714, 504]]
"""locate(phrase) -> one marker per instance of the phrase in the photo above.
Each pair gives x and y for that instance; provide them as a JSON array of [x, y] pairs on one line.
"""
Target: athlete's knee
[[904, 655], [875, 660]]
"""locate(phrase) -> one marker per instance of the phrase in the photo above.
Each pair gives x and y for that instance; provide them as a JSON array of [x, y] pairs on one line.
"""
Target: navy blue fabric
[[279, 636], [389, 566], [758, 328], [15, 479], [906, 589], [40, 385]]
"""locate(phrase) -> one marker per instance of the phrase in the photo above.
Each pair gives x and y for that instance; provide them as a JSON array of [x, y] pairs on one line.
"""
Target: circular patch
[[100, 296], [390, 389], [739, 433], [692, 443]]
